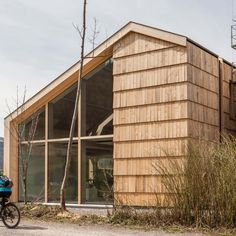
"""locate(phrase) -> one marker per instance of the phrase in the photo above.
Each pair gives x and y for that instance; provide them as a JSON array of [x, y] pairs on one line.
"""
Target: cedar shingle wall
[[203, 93], [164, 95], [150, 114], [203, 107], [228, 108]]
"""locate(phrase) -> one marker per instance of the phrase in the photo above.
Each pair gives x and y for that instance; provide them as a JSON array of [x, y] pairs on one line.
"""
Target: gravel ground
[[28, 227]]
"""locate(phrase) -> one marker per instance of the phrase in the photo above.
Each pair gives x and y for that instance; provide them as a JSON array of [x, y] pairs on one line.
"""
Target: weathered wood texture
[[229, 98], [209, 95], [164, 96], [13, 171], [150, 114], [203, 93]]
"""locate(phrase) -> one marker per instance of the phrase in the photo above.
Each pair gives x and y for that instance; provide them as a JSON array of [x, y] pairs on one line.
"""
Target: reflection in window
[[57, 161], [60, 112], [97, 101], [35, 172], [97, 171], [34, 127]]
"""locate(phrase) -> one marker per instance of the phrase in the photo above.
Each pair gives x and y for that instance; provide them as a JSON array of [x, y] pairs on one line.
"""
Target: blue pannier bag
[[5, 186]]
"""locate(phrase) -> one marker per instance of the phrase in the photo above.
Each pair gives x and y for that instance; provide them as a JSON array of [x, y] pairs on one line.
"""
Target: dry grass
[[202, 189], [54, 213], [130, 217]]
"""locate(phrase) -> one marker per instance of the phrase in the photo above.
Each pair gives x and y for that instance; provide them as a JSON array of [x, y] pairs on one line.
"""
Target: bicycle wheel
[[10, 215]]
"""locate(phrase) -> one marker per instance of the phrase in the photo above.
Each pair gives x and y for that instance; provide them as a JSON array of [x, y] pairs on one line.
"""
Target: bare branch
[[73, 122], [17, 98], [79, 31], [95, 33], [17, 131]]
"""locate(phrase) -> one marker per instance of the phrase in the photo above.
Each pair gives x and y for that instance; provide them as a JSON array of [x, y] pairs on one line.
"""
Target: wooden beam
[[79, 153], [99, 137], [46, 154], [55, 88]]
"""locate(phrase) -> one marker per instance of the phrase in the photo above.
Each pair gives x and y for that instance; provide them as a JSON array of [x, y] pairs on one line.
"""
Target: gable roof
[[105, 46], [103, 49]]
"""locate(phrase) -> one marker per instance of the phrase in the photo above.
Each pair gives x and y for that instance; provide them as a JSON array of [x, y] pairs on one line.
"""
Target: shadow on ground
[[28, 227]]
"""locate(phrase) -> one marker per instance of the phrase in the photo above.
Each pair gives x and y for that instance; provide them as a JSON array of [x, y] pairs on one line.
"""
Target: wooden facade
[[167, 90]]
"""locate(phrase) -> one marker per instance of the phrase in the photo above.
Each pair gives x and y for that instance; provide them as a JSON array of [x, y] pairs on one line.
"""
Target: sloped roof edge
[[109, 42], [129, 27]]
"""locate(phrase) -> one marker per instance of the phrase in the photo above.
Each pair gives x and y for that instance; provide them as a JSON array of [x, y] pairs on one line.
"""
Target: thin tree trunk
[[73, 122], [25, 190], [20, 129]]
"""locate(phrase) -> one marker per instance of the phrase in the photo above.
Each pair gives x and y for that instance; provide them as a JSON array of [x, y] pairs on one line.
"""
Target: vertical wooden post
[[46, 153], [232, 84], [81, 132], [6, 149], [79, 149], [221, 111], [13, 164]]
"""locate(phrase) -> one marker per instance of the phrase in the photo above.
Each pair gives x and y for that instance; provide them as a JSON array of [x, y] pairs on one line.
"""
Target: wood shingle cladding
[[164, 96], [209, 95], [150, 114]]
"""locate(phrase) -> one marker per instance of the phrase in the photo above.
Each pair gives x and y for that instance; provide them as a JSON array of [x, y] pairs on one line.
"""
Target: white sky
[[38, 41]]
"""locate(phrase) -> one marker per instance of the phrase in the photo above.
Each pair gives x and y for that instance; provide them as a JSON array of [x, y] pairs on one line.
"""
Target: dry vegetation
[[201, 191], [203, 187], [54, 213]]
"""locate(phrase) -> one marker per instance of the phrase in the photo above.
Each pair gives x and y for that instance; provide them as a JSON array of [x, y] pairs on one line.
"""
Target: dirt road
[[32, 228]]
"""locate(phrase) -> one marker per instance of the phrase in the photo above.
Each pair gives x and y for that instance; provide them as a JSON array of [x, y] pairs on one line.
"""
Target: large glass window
[[96, 143], [34, 159], [97, 120], [57, 161], [97, 171], [34, 127], [60, 112], [97, 101]]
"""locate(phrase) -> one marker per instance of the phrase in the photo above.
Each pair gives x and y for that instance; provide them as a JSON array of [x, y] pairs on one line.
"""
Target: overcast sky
[[38, 41]]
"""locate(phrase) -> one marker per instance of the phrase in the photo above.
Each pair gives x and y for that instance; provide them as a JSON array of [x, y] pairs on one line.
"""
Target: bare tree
[[82, 33], [24, 157], [95, 33], [23, 135]]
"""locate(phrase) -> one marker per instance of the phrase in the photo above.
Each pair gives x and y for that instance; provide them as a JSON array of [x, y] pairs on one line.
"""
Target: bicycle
[[9, 212]]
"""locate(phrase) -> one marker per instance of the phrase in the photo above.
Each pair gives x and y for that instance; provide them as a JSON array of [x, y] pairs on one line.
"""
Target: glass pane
[[34, 127], [35, 172], [60, 112], [97, 171], [57, 160], [97, 99]]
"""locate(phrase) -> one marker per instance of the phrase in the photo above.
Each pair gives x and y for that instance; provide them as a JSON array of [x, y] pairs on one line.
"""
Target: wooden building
[[145, 93]]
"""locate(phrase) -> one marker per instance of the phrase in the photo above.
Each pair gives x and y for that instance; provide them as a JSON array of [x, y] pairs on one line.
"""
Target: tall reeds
[[201, 189]]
